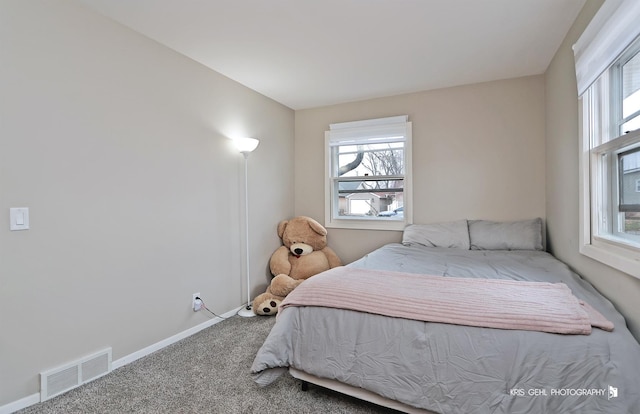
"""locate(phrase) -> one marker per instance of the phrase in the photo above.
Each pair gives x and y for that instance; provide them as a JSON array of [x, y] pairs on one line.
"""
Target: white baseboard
[[35, 398], [20, 404], [118, 363]]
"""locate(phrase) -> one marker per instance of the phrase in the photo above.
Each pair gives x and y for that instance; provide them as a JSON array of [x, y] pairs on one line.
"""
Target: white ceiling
[[310, 53]]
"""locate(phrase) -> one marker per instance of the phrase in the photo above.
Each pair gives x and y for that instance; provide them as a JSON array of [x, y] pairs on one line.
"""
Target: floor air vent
[[64, 378]]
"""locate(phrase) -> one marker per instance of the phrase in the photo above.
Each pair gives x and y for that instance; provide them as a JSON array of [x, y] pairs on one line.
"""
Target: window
[[608, 74], [629, 73], [368, 175]]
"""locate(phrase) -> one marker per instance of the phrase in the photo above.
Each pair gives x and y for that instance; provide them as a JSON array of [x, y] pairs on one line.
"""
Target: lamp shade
[[246, 145]]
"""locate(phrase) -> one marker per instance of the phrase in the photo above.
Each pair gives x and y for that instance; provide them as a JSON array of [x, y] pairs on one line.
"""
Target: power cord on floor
[[204, 306]]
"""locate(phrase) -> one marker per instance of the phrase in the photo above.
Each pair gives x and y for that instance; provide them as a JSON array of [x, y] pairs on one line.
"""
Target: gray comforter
[[462, 369]]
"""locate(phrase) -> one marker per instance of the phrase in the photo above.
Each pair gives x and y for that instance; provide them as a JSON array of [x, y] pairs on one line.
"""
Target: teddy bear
[[304, 253]]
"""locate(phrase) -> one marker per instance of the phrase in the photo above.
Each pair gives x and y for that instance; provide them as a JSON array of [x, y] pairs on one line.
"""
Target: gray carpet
[[205, 373]]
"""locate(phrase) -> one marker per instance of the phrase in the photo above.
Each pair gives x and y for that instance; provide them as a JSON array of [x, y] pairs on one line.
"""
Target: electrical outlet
[[196, 306]]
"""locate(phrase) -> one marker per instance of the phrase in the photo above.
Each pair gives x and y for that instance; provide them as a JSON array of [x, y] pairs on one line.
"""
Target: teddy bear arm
[[332, 257], [279, 263]]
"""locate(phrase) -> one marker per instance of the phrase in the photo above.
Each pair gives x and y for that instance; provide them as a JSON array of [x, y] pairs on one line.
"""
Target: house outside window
[[368, 174], [608, 74]]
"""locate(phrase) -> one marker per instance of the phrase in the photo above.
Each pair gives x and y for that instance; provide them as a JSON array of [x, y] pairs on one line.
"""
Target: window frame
[[361, 132], [603, 142], [617, 85]]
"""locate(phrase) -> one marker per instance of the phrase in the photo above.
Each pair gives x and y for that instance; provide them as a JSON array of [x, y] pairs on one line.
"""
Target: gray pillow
[[454, 234], [513, 235]]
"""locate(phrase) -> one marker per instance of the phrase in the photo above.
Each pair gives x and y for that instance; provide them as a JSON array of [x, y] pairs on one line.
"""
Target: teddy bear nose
[[298, 250]]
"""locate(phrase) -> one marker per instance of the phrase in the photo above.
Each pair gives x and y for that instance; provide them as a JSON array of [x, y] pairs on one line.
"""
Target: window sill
[[366, 224], [622, 258]]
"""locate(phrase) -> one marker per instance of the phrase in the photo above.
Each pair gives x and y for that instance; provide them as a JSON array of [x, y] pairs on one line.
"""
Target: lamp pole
[[246, 145]]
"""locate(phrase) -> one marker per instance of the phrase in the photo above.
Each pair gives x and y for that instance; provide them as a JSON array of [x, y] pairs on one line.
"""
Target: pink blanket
[[492, 303]]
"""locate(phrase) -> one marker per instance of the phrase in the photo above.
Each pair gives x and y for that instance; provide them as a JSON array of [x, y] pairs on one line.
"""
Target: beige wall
[[478, 153], [562, 178], [119, 147]]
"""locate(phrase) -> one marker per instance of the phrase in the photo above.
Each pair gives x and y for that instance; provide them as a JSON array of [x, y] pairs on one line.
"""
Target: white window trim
[[610, 32], [356, 128], [617, 253]]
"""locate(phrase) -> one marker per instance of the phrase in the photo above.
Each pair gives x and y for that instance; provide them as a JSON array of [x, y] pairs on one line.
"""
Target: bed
[[418, 366]]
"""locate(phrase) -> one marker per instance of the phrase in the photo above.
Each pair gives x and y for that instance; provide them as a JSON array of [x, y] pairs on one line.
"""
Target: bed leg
[[304, 386]]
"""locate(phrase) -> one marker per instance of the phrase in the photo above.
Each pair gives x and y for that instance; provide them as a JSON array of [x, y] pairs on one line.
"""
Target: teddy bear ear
[[317, 227], [281, 226]]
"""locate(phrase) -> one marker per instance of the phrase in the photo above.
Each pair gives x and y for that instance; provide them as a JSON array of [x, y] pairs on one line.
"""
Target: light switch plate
[[19, 218]]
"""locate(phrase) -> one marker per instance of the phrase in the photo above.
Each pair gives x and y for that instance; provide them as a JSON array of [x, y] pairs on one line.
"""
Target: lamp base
[[246, 313]]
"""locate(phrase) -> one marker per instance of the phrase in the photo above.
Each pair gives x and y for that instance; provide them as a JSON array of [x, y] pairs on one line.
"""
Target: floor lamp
[[246, 146]]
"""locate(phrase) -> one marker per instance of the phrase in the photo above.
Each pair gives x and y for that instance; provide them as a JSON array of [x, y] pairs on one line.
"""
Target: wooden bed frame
[[359, 393]]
